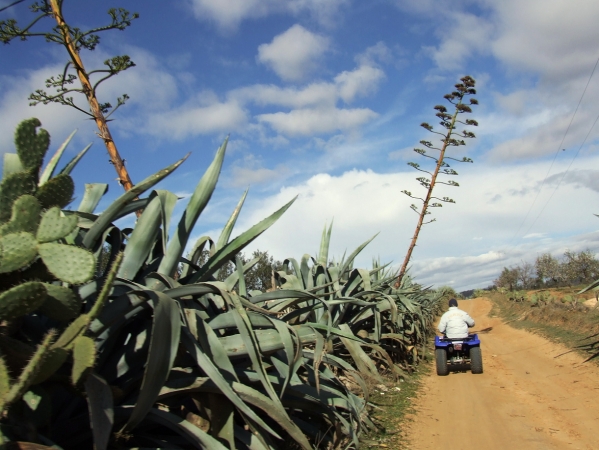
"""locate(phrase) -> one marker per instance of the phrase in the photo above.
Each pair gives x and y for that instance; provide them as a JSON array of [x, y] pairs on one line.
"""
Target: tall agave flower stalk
[[190, 362], [449, 138]]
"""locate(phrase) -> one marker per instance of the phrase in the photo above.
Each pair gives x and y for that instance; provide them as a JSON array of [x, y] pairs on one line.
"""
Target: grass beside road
[[568, 324], [393, 408]]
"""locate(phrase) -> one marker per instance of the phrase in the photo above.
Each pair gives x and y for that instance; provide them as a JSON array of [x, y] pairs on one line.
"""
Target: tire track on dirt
[[525, 399]]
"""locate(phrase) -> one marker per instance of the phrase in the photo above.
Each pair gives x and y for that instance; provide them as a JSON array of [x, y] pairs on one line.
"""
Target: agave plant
[[165, 356]]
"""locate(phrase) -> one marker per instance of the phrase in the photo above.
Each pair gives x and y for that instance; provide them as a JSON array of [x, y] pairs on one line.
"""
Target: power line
[[564, 175], [555, 156]]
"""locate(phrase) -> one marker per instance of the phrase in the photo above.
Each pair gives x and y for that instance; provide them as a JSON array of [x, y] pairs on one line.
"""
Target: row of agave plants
[[112, 338]]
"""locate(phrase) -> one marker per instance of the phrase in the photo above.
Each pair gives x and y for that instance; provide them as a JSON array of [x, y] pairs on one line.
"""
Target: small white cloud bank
[[293, 54]]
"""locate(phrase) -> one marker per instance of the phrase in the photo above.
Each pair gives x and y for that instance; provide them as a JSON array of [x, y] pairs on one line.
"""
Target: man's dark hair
[[453, 302]]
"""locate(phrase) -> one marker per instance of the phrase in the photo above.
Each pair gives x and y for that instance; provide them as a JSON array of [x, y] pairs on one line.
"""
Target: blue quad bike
[[451, 353]]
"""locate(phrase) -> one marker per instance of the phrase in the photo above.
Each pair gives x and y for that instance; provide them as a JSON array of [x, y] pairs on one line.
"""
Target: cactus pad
[[53, 359], [67, 263], [12, 187], [61, 303], [57, 191], [73, 331], [25, 216], [17, 251], [31, 146], [53, 227], [4, 378], [22, 299], [84, 356]]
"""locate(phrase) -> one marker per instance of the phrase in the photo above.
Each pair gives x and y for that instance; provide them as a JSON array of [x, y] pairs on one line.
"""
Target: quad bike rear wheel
[[441, 359], [476, 360]]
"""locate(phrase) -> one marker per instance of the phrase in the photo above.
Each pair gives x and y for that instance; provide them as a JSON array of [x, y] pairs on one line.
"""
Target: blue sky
[[323, 99]]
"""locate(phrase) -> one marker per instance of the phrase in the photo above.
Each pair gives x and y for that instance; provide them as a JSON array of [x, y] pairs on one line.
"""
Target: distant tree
[[450, 137], [260, 276], [448, 292], [74, 40], [526, 275], [548, 269], [508, 278], [580, 267]]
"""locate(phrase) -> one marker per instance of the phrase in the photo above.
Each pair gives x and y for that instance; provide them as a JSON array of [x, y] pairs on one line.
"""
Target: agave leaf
[[591, 286], [196, 254], [196, 436], [292, 347], [270, 408], [246, 330], [350, 260], [140, 242], [362, 360], [51, 166], [228, 229], [196, 205], [318, 355], [236, 276], [111, 213], [73, 162], [191, 290], [306, 272], [168, 201], [92, 196], [297, 270], [164, 343], [131, 207], [212, 346], [323, 254], [285, 294], [236, 245], [203, 361], [100, 406]]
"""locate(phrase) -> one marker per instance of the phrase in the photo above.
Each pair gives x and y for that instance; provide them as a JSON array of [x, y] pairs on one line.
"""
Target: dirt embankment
[[525, 399]]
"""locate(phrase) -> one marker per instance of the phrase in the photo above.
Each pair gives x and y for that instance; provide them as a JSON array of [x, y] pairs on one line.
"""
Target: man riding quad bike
[[457, 346]]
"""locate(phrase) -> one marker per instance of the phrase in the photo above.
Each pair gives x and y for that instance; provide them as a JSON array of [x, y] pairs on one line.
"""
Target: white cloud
[[326, 12], [550, 37], [228, 14], [194, 118], [291, 97], [362, 81], [251, 171], [379, 52], [59, 120], [305, 122], [293, 54], [468, 34], [491, 205], [243, 176]]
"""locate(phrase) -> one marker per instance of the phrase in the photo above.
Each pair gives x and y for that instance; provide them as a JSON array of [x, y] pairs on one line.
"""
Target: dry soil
[[525, 399]]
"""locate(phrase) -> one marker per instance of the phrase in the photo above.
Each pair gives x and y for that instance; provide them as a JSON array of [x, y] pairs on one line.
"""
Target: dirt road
[[525, 399]]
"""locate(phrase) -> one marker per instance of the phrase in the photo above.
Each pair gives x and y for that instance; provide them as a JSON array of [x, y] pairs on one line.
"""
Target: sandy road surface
[[525, 399]]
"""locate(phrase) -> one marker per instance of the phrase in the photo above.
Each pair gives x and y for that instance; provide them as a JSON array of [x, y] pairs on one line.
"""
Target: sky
[[323, 99]]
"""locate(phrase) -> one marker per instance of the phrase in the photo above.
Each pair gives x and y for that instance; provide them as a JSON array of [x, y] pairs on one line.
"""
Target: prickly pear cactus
[[38, 266], [31, 146]]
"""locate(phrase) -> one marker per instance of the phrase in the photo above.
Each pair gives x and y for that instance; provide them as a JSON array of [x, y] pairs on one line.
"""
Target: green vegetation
[[547, 271], [167, 355], [448, 139], [394, 407], [557, 314]]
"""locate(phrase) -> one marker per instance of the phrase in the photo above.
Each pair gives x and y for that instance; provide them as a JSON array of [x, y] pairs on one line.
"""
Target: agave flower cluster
[[166, 356]]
